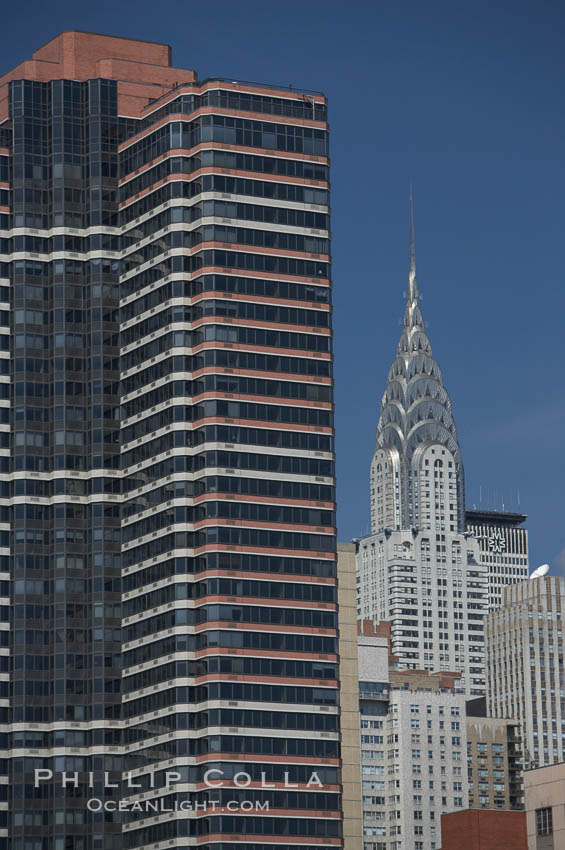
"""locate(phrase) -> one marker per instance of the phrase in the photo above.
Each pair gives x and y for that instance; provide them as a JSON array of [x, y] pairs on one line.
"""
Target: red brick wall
[[72, 47], [143, 68], [484, 829]]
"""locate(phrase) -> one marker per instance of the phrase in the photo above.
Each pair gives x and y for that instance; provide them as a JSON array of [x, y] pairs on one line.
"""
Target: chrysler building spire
[[412, 314], [416, 429], [418, 537], [413, 289]]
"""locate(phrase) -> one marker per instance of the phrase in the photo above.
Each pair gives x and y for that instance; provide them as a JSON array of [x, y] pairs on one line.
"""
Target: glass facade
[[168, 571]]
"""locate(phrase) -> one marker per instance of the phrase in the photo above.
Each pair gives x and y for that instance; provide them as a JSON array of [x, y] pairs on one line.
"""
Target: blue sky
[[465, 100]]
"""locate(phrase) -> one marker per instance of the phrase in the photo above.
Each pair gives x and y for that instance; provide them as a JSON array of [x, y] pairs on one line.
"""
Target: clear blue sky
[[465, 99]]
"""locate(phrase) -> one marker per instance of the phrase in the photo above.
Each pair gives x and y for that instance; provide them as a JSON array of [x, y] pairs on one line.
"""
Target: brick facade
[[484, 829]]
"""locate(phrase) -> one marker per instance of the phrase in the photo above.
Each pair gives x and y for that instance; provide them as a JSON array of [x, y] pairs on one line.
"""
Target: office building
[[525, 674], [503, 547], [419, 568], [167, 464], [545, 807]]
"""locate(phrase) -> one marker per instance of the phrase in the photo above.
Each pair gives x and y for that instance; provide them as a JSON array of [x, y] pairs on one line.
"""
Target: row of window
[[190, 190], [233, 460], [240, 561], [220, 333], [306, 107], [235, 434], [229, 666], [222, 159], [233, 691], [221, 283], [235, 360], [217, 384], [228, 587], [230, 309], [229, 613], [241, 825], [227, 260], [232, 410], [219, 209], [233, 639], [178, 135], [219, 484], [189, 239]]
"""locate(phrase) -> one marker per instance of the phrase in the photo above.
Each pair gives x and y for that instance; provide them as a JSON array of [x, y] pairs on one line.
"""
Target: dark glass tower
[[167, 473]]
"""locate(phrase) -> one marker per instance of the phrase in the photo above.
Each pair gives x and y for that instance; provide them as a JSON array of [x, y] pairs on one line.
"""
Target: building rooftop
[[494, 517]]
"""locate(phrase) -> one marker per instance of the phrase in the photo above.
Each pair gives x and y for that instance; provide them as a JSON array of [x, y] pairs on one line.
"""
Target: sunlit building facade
[[525, 672], [420, 569]]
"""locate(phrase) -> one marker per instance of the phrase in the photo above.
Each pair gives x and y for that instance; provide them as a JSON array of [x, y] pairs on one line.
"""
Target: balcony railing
[[364, 694]]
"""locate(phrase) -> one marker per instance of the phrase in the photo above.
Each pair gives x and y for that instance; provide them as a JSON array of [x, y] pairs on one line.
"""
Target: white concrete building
[[434, 594], [525, 671], [413, 751]]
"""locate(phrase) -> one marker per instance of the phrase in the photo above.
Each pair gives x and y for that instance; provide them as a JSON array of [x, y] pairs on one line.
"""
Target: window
[[544, 822]]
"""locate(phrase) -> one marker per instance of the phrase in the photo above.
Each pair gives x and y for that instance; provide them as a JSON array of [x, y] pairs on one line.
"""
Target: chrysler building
[[419, 568], [416, 472]]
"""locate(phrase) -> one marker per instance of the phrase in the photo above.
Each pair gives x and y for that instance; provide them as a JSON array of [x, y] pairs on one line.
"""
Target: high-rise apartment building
[[167, 455], [503, 547], [494, 759], [525, 672], [419, 568], [413, 748], [425, 750]]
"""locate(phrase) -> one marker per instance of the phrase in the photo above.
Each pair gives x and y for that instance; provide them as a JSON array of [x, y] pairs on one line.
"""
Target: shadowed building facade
[[169, 493]]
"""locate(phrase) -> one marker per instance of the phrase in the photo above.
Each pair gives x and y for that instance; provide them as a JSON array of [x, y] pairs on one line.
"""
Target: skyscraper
[[168, 470], [419, 568]]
